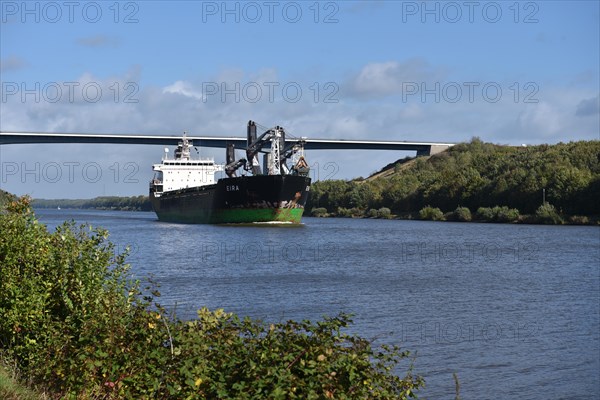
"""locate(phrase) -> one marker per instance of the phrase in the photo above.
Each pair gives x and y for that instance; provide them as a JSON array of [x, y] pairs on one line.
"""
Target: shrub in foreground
[[76, 324]]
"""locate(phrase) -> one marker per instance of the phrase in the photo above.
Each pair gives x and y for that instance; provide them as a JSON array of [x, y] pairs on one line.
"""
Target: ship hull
[[246, 199]]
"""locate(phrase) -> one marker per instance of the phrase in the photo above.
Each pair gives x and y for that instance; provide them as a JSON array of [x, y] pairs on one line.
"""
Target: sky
[[507, 72]]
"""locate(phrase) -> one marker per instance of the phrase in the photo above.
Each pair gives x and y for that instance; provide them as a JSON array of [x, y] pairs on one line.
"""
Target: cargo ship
[[185, 189]]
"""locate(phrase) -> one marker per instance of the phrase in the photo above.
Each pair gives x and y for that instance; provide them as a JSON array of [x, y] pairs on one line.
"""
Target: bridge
[[422, 148]]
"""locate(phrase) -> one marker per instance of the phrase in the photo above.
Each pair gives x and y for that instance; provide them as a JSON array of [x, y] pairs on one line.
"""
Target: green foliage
[[505, 214], [485, 214], [319, 212], [372, 213], [547, 214], [383, 212], [350, 212], [65, 300], [5, 198], [134, 203], [431, 213], [479, 174], [343, 212], [579, 220], [461, 214], [74, 323], [497, 214]]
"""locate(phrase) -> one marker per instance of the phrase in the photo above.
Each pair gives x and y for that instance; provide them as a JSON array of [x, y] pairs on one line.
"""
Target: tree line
[[475, 175], [134, 203]]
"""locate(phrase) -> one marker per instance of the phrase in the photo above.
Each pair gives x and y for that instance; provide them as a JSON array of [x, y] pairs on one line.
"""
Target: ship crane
[[275, 159]]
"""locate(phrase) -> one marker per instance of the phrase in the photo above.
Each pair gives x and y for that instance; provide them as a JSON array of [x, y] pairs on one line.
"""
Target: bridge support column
[[437, 148], [431, 150], [423, 151]]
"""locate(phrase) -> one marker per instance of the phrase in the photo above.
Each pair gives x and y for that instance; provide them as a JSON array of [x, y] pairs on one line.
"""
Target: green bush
[[357, 212], [505, 214], [485, 214], [462, 214], [497, 214], [384, 212], [431, 213], [579, 220], [319, 212], [74, 323], [547, 214], [343, 212]]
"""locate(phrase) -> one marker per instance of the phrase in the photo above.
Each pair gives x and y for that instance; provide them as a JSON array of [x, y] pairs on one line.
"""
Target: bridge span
[[422, 148]]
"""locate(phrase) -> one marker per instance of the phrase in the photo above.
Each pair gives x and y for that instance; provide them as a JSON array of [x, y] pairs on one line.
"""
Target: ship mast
[[275, 154]]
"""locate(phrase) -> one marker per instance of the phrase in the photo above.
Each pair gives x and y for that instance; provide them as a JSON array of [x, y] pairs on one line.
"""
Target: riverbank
[[476, 175], [546, 215]]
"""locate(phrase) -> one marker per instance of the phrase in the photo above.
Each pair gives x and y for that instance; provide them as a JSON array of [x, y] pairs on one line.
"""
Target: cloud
[[588, 107], [12, 63], [391, 77], [183, 88], [541, 118], [98, 41]]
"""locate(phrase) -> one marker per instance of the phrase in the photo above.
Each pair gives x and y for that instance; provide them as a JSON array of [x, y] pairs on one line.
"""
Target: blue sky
[[508, 72]]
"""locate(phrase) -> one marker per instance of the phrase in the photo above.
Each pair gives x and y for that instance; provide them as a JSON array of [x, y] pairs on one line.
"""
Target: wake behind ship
[[184, 189]]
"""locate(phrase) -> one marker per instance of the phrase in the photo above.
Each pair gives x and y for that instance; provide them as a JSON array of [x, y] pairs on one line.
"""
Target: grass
[[10, 389]]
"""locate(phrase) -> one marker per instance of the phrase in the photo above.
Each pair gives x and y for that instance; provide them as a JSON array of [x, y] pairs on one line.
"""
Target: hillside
[[477, 174]]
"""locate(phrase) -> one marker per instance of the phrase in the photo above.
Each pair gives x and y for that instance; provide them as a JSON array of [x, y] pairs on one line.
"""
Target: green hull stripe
[[236, 216]]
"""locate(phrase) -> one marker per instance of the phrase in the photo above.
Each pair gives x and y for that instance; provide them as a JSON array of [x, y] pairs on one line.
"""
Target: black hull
[[246, 199]]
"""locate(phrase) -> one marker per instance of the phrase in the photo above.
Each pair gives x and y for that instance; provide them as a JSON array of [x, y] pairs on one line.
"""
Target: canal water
[[513, 310]]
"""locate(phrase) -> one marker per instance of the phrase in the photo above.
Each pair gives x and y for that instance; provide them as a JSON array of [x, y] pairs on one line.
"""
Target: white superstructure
[[182, 171]]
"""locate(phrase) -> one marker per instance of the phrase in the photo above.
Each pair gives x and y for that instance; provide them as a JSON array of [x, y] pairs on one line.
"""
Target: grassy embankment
[[10, 389]]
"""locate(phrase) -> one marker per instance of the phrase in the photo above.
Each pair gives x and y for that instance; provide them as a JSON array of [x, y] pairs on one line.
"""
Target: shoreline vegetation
[[546, 214], [112, 203], [475, 181], [75, 324]]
